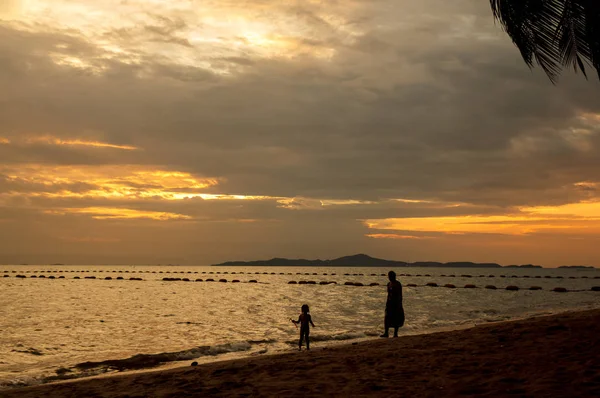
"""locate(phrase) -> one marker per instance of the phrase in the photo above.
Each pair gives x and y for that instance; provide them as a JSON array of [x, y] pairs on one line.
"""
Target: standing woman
[[394, 312]]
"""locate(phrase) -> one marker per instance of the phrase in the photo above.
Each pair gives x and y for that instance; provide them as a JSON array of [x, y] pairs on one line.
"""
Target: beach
[[548, 356]]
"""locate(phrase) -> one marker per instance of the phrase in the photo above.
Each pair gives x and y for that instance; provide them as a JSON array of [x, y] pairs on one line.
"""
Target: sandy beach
[[550, 356]]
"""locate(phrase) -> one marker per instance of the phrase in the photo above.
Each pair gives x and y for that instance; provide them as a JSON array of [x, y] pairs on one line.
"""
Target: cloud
[[291, 114]]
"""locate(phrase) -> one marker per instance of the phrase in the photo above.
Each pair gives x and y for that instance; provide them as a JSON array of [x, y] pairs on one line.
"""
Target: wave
[[142, 361], [337, 337]]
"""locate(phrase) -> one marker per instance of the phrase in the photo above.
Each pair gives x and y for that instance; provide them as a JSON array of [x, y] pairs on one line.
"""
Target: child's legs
[[306, 335], [301, 338]]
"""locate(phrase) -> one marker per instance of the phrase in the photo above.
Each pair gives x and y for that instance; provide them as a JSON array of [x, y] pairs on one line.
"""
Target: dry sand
[[552, 356]]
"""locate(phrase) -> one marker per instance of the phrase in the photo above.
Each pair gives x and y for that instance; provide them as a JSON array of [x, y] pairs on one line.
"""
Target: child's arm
[[311, 322]]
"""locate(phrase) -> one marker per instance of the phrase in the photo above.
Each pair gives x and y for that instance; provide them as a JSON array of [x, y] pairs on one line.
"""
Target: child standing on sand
[[304, 320]]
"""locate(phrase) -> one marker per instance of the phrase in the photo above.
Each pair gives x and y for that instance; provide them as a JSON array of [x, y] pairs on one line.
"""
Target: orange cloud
[[396, 236], [112, 213], [50, 140], [120, 182], [581, 218]]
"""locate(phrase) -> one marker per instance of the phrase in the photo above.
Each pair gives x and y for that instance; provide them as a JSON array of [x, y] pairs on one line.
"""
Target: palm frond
[[555, 34]]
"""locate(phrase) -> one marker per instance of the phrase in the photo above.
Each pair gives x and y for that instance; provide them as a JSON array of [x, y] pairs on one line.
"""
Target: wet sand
[[551, 356]]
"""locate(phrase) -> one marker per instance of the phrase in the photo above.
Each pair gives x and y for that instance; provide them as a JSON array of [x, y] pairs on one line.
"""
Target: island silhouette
[[362, 260]]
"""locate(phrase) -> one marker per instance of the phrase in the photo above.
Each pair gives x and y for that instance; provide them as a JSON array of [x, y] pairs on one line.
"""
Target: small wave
[[142, 361], [337, 337]]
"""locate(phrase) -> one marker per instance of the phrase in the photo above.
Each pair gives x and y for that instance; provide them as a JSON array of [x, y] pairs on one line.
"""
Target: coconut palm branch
[[555, 34]]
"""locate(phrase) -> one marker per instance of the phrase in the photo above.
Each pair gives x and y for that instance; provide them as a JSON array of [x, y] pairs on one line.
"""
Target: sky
[[195, 132]]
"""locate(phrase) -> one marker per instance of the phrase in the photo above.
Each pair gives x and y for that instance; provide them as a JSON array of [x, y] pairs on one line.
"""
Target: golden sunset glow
[[48, 140], [396, 236], [581, 218], [110, 213], [4, 141], [120, 182]]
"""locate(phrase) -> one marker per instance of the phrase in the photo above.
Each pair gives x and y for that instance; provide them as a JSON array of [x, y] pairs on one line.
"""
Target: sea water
[[66, 327]]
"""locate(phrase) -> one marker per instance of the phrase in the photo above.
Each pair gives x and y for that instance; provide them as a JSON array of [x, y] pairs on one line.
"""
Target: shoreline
[[495, 359]]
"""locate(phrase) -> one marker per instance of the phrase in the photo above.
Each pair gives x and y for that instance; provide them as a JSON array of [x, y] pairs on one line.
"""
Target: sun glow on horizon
[[583, 218]]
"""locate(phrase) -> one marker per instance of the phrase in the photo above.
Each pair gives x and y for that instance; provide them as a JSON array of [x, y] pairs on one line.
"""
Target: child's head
[[305, 309]]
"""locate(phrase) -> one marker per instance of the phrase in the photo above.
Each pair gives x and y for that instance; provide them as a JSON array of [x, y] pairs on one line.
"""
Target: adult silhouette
[[394, 312]]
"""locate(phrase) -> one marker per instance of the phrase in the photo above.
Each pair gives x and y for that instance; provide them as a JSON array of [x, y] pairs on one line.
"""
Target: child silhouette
[[305, 321]]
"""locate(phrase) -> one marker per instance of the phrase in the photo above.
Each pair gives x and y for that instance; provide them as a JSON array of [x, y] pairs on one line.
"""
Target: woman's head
[[392, 276], [305, 309]]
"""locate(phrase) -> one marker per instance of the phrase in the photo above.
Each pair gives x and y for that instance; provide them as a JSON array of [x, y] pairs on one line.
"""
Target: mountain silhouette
[[356, 260]]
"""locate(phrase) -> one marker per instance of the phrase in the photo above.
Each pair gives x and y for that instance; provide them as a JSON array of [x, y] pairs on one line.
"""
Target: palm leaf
[[555, 34]]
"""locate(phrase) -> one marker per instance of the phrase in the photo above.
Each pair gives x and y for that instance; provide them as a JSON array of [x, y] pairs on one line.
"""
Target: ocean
[[68, 325]]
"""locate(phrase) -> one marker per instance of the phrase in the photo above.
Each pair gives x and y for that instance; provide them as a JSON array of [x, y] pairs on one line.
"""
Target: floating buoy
[[466, 276], [76, 277], [374, 284], [311, 282], [235, 281], [199, 280], [512, 287], [491, 287], [210, 280], [535, 288], [595, 289], [349, 284], [21, 276], [470, 286], [32, 276], [323, 283], [292, 283], [42, 276], [108, 278], [432, 284], [560, 290], [253, 281], [411, 285], [223, 280], [119, 278], [358, 284], [449, 285], [8, 276], [186, 279]]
